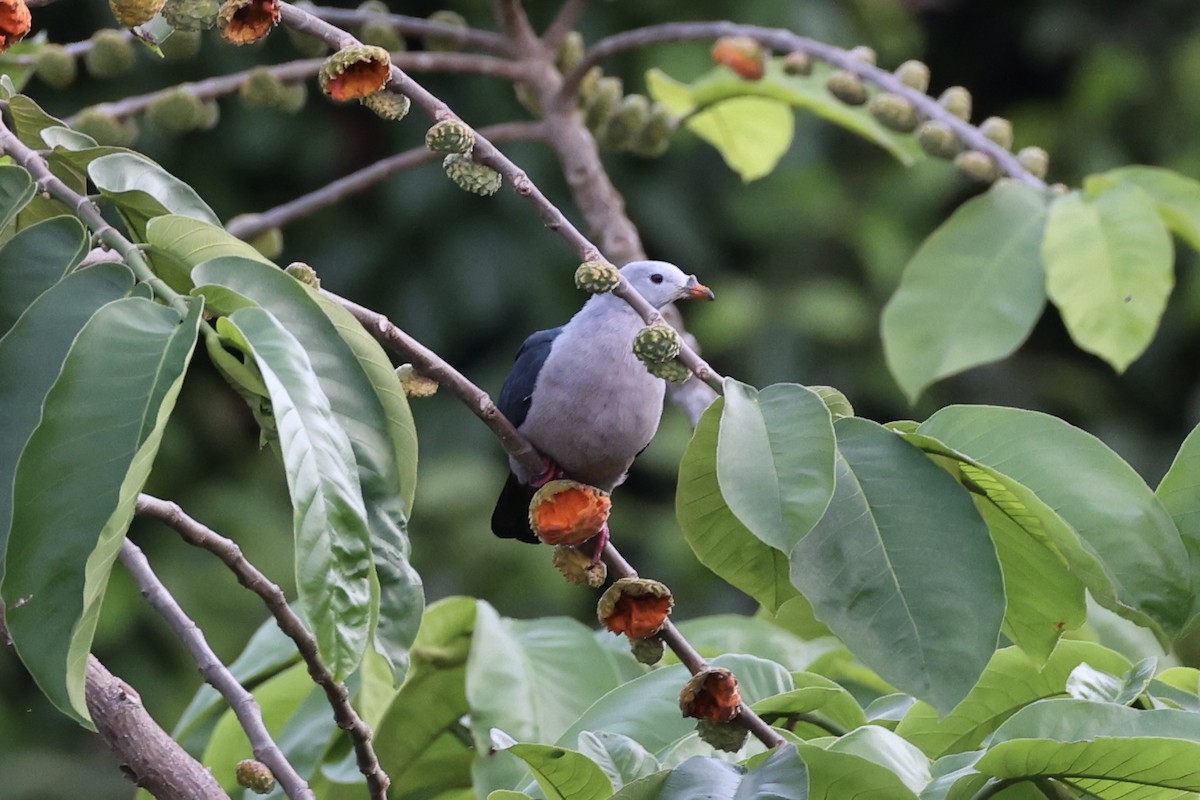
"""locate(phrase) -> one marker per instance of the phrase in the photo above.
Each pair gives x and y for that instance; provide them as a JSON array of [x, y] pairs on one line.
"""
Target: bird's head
[[661, 283]]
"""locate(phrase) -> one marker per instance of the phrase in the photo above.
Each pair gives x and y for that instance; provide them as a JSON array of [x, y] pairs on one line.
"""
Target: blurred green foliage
[[801, 262]]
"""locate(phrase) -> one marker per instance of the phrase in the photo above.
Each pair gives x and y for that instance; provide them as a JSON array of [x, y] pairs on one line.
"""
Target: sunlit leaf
[[1177, 196], [564, 774]]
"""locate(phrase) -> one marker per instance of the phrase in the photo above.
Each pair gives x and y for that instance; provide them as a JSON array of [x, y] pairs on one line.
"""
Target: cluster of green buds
[[456, 139], [657, 346], [181, 110], [263, 89]]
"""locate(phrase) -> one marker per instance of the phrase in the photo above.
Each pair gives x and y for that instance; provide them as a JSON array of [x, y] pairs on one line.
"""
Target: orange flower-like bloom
[[14, 22], [355, 72], [247, 21], [636, 607], [568, 512], [711, 695], [743, 55]]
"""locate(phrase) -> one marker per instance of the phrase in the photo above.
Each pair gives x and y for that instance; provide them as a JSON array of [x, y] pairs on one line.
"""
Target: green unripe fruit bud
[[105, 128], [1035, 160], [414, 383], [306, 45], [1059, 189], [528, 98], [292, 98], [570, 52], [303, 273], [177, 111], [377, 30], [847, 87], [957, 100], [181, 45], [655, 136], [597, 277], [269, 243], [914, 74], [797, 63], [657, 343], [210, 115], [631, 114], [726, 736], [938, 139], [388, 105], [602, 103], [671, 371], [110, 55], [587, 86], [56, 67], [894, 112], [450, 136], [261, 88], [647, 651], [255, 776], [191, 15], [578, 567], [471, 176], [999, 130], [445, 43], [977, 165], [135, 12], [864, 54]]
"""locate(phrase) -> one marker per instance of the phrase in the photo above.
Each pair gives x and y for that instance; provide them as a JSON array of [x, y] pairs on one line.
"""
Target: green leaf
[[1088, 683], [972, 292], [775, 452], [719, 540], [734, 633], [622, 759], [333, 542], [142, 190], [180, 243], [1179, 494], [16, 190], [564, 774], [781, 775], [77, 482], [1097, 494], [367, 402], [900, 544], [835, 774], [19, 61], [1109, 260], [1011, 681], [817, 697], [35, 348], [1099, 747], [29, 120], [1177, 197], [35, 259]]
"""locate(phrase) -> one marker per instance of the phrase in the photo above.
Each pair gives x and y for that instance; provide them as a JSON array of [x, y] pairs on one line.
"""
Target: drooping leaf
[[1095, 492], [775, 460], [35, 259], [1011, 681], [34, 348], [368, 403], [77, 482], [1177, 196], [900, 545], [719, 540], [1109, 269], [564, 774], [972, 292], [142, 190], [333, 547]]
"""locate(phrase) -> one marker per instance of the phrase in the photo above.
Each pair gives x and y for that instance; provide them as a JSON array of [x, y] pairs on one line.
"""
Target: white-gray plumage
[[581, 396]]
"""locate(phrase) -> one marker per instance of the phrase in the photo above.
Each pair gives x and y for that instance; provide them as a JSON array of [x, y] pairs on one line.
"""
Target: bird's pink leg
[[601, 540], [552, 472]]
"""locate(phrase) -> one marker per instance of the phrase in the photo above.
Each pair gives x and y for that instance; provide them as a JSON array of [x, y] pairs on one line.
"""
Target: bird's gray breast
[[594, 405]]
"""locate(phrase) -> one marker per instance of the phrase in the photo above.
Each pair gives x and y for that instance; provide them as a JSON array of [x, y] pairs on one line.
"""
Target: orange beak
[[699, 291]]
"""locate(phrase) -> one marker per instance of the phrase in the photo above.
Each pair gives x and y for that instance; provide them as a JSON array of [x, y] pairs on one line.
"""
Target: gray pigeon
[[581, 396]]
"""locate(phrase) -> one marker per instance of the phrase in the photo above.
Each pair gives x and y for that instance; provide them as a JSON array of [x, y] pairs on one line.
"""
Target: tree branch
[[562, 24], [416, 26], [215, 673], [276, 602], [145, 753]]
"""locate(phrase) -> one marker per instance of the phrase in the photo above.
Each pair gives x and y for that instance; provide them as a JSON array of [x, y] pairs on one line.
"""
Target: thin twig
[[215, 673], [563, 23], [515, 22], [416, 26], [784, 41], [194, 533], [251, 225]]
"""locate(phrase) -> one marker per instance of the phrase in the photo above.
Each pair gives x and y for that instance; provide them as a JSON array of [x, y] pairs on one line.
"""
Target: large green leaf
[[1177, 196], [1109, 261], [622, 759], [1097, 494], [719, 540], [142, 190], [880, 748], [901, 544], [781, 775], [34, 348], [16, 190], [77, 483], [1011, 681], [735, 633], [333, 542], [179, 243], [1179, 493], [822, 702], [368, 403], [564, 774], [775, 460], [972, 292], [35, 259]]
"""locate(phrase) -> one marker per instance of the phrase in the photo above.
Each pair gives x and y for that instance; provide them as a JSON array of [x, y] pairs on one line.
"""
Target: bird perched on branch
[[583, 399]]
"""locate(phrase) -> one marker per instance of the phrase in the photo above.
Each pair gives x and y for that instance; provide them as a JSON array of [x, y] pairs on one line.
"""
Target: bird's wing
[[517, 392]]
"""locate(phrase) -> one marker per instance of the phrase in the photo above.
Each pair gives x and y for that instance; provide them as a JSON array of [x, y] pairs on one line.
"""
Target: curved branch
[[251, 225], [416, 26], [215, 673], [273, 597], [784, 41]]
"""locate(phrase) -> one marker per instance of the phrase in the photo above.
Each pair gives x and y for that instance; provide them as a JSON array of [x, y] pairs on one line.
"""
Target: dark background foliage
[[802, 262]]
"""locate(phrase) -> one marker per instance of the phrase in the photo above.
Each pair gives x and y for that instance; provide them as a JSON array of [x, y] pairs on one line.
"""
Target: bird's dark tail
[[510, 519]]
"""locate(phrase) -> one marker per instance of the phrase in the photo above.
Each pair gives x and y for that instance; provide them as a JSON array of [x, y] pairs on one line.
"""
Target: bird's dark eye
[[656, 278]]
